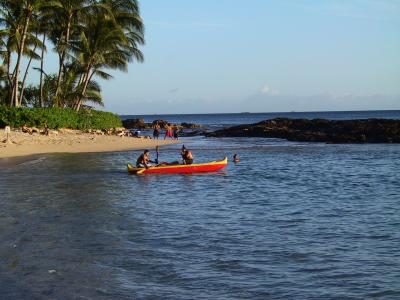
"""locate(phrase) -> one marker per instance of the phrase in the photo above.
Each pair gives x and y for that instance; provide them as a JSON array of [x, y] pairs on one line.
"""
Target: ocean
[[291, 220]]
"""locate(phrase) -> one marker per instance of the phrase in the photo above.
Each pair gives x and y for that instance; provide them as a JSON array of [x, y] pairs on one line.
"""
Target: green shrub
[[58, 118]]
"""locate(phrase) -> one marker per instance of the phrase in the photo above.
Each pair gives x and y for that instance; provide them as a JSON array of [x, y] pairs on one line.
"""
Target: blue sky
[[263, 56]]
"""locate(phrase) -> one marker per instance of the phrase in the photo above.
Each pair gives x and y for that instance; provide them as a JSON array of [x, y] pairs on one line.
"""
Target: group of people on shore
[[170, 131], [144, 160], [26, 129]]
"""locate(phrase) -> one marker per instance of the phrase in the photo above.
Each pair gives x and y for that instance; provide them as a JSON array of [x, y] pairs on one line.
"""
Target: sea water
[[289, 221]]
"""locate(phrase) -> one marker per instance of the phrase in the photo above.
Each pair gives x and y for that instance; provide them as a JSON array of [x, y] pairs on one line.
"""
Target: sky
[[215, 56]]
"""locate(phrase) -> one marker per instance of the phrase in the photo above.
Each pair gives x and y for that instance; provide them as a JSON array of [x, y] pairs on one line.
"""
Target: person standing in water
[[176, 132], [156, 131], [168, 132]]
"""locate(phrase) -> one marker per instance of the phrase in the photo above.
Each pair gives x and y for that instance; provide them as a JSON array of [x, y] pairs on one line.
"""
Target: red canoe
[[193, 168]]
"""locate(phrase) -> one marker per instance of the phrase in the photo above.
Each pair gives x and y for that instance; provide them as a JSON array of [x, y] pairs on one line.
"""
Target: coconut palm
[[64, 22], [89, 36], [18, 17], [10, 33], [26, 10], [109, 40], [102, 45]]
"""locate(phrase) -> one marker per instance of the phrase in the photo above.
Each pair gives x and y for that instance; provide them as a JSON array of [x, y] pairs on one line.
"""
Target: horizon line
[[275, 112]]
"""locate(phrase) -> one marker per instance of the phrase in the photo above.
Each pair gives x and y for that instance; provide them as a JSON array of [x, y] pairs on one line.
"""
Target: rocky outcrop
[[135, 123], [189, 133], [189, 125], [140, 124], [162, 123], [319, 130]]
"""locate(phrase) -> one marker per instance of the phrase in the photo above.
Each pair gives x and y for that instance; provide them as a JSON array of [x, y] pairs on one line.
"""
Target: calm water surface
[[290, 221]]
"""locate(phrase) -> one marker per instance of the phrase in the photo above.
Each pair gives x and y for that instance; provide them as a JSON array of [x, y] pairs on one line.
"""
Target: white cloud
[[267, 90]]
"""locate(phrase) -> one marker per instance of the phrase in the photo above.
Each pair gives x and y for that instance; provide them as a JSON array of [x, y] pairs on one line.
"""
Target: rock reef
[[319, 130], [141, 124]]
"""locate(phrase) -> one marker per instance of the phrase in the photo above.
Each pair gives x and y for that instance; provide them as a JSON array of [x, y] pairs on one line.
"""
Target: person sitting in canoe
[[143, 160], [187, 156]]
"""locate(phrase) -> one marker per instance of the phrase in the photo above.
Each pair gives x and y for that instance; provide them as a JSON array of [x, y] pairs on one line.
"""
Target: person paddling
[[143, 160], [187, 156]]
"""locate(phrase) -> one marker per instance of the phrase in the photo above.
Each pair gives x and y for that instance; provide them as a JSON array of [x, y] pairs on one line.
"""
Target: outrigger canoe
[[193, 168]]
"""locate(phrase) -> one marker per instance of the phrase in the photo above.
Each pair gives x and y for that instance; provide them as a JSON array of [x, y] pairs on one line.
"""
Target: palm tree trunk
[[85, 85], [25, 75], [41, 72], [19, 57], [61, 61], [10, 79], [12, 87]]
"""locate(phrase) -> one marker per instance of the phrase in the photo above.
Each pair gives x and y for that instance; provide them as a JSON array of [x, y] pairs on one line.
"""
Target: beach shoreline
[[24, 145]]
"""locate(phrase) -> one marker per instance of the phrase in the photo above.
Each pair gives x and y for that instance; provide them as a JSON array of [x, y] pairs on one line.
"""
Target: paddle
[[141, 171], [158, 153]]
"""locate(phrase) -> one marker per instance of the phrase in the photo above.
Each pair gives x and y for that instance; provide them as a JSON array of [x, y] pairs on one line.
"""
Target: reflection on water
[[291, 220]]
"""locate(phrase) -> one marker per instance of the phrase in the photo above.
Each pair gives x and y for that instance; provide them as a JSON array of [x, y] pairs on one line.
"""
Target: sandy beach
[[71, 141]]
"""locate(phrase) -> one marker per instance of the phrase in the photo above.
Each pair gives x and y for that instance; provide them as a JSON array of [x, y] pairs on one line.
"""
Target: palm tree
[[109, 40], [126, 15], [9, 19], [89, 36], [65, 25], [18, 17], [35, 43], [26, 9]]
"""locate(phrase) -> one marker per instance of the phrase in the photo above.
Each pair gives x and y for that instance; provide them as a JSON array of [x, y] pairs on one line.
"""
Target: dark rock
[[134, 123], [189, 125], [187, 133], [319, 130], [140, 124], [162, 123]]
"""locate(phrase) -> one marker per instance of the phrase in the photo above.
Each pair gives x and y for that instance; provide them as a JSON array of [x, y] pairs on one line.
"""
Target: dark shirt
[[142, 160]]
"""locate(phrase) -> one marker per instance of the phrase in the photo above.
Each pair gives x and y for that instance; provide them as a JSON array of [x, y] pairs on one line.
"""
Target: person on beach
[[143, 160], [7, 130], [156, 131], [136, 133], [46, 129], [235, 158], [176, 133], [168, 131], [26, 129], [187, 156]]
